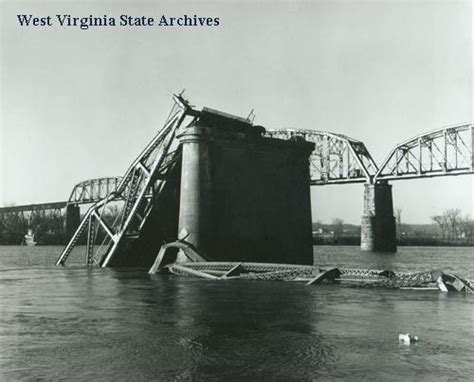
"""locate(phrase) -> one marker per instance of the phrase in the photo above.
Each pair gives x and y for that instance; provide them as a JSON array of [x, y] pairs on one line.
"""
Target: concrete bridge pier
[[195, 203], [73, 219], [243, 196], [378, 232]]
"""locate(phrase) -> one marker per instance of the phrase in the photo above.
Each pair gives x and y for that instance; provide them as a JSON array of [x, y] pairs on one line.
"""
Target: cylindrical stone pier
[[194, 207], [378, 231]]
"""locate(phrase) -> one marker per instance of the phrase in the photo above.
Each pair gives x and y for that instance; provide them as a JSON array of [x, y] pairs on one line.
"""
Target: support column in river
[[244, 197], [195, 200], [378, 230], [73, 218]]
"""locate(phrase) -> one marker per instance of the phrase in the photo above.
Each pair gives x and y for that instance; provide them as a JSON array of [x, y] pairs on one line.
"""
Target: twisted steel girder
[[134, 193]]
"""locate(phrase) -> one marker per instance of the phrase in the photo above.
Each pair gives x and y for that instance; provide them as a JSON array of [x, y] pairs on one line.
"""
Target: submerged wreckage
[[182, 259], [233, 192]]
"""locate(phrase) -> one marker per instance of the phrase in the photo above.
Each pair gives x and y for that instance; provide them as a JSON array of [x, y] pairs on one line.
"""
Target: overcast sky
[[82, 104]]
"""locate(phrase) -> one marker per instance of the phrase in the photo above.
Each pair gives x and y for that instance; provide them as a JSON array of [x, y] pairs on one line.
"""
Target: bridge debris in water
[[312, 275]]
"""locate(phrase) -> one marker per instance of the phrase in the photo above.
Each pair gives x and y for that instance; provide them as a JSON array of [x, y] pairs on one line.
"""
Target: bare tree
[[449, 223], [466, 226], [453, 217], [338, 227], [442, 224]]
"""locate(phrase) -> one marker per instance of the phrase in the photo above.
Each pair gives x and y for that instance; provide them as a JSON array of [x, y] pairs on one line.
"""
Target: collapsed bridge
[[215, 179], [238, 192], [222, 182]]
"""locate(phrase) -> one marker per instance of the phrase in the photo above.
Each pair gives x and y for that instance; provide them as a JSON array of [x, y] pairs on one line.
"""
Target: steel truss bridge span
[[86, 192], [33, 207], [93, 190], [335, 159], [442, 152]]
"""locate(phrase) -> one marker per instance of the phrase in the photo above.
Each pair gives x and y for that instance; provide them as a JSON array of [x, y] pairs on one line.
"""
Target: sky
[[81, 104]]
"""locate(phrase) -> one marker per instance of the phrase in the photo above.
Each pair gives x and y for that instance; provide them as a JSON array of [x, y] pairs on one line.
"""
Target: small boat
[[29, 239]]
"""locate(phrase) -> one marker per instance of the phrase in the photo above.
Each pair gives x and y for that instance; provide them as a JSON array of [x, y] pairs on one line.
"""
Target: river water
[[85, 324]]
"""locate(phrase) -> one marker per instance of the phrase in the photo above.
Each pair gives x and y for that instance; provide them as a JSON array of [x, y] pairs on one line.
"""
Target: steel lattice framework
[[134, 196], [88, 191], [446, 151], [336, 158], [93, 190]]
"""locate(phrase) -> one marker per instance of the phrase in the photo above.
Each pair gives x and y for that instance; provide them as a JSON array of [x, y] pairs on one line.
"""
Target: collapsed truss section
[[119, 217]]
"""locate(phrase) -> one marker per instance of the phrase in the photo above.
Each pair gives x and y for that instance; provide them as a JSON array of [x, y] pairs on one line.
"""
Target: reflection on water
[[63, 323]]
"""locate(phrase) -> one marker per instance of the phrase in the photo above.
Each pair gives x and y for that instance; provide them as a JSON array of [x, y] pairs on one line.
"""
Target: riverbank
[[406, 242]]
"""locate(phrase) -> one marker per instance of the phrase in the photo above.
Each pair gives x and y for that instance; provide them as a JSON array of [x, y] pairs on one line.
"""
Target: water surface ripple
[[76, 323]]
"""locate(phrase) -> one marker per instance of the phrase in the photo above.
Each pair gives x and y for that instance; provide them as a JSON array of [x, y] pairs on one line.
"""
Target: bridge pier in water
[[73, 219], [378, 230], [244, 197], [240, 193]]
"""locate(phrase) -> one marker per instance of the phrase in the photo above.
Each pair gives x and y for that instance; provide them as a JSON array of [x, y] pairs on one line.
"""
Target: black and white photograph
[[267, 190]]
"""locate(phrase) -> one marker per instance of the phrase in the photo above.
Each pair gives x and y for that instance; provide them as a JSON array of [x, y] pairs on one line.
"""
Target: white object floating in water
[[407, 338], [441, 285]]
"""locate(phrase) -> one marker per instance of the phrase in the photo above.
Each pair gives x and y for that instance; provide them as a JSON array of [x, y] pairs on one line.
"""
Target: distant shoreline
[[315, 244], [411, 242]]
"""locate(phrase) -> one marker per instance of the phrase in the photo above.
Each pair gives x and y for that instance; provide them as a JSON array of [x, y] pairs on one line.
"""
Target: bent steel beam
[[442, 152], [133, 197], [336, 158]]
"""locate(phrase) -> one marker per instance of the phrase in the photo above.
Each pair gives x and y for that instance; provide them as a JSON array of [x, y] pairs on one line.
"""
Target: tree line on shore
[[447, 228], [48, 227], [451, 227], [454, 226]]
